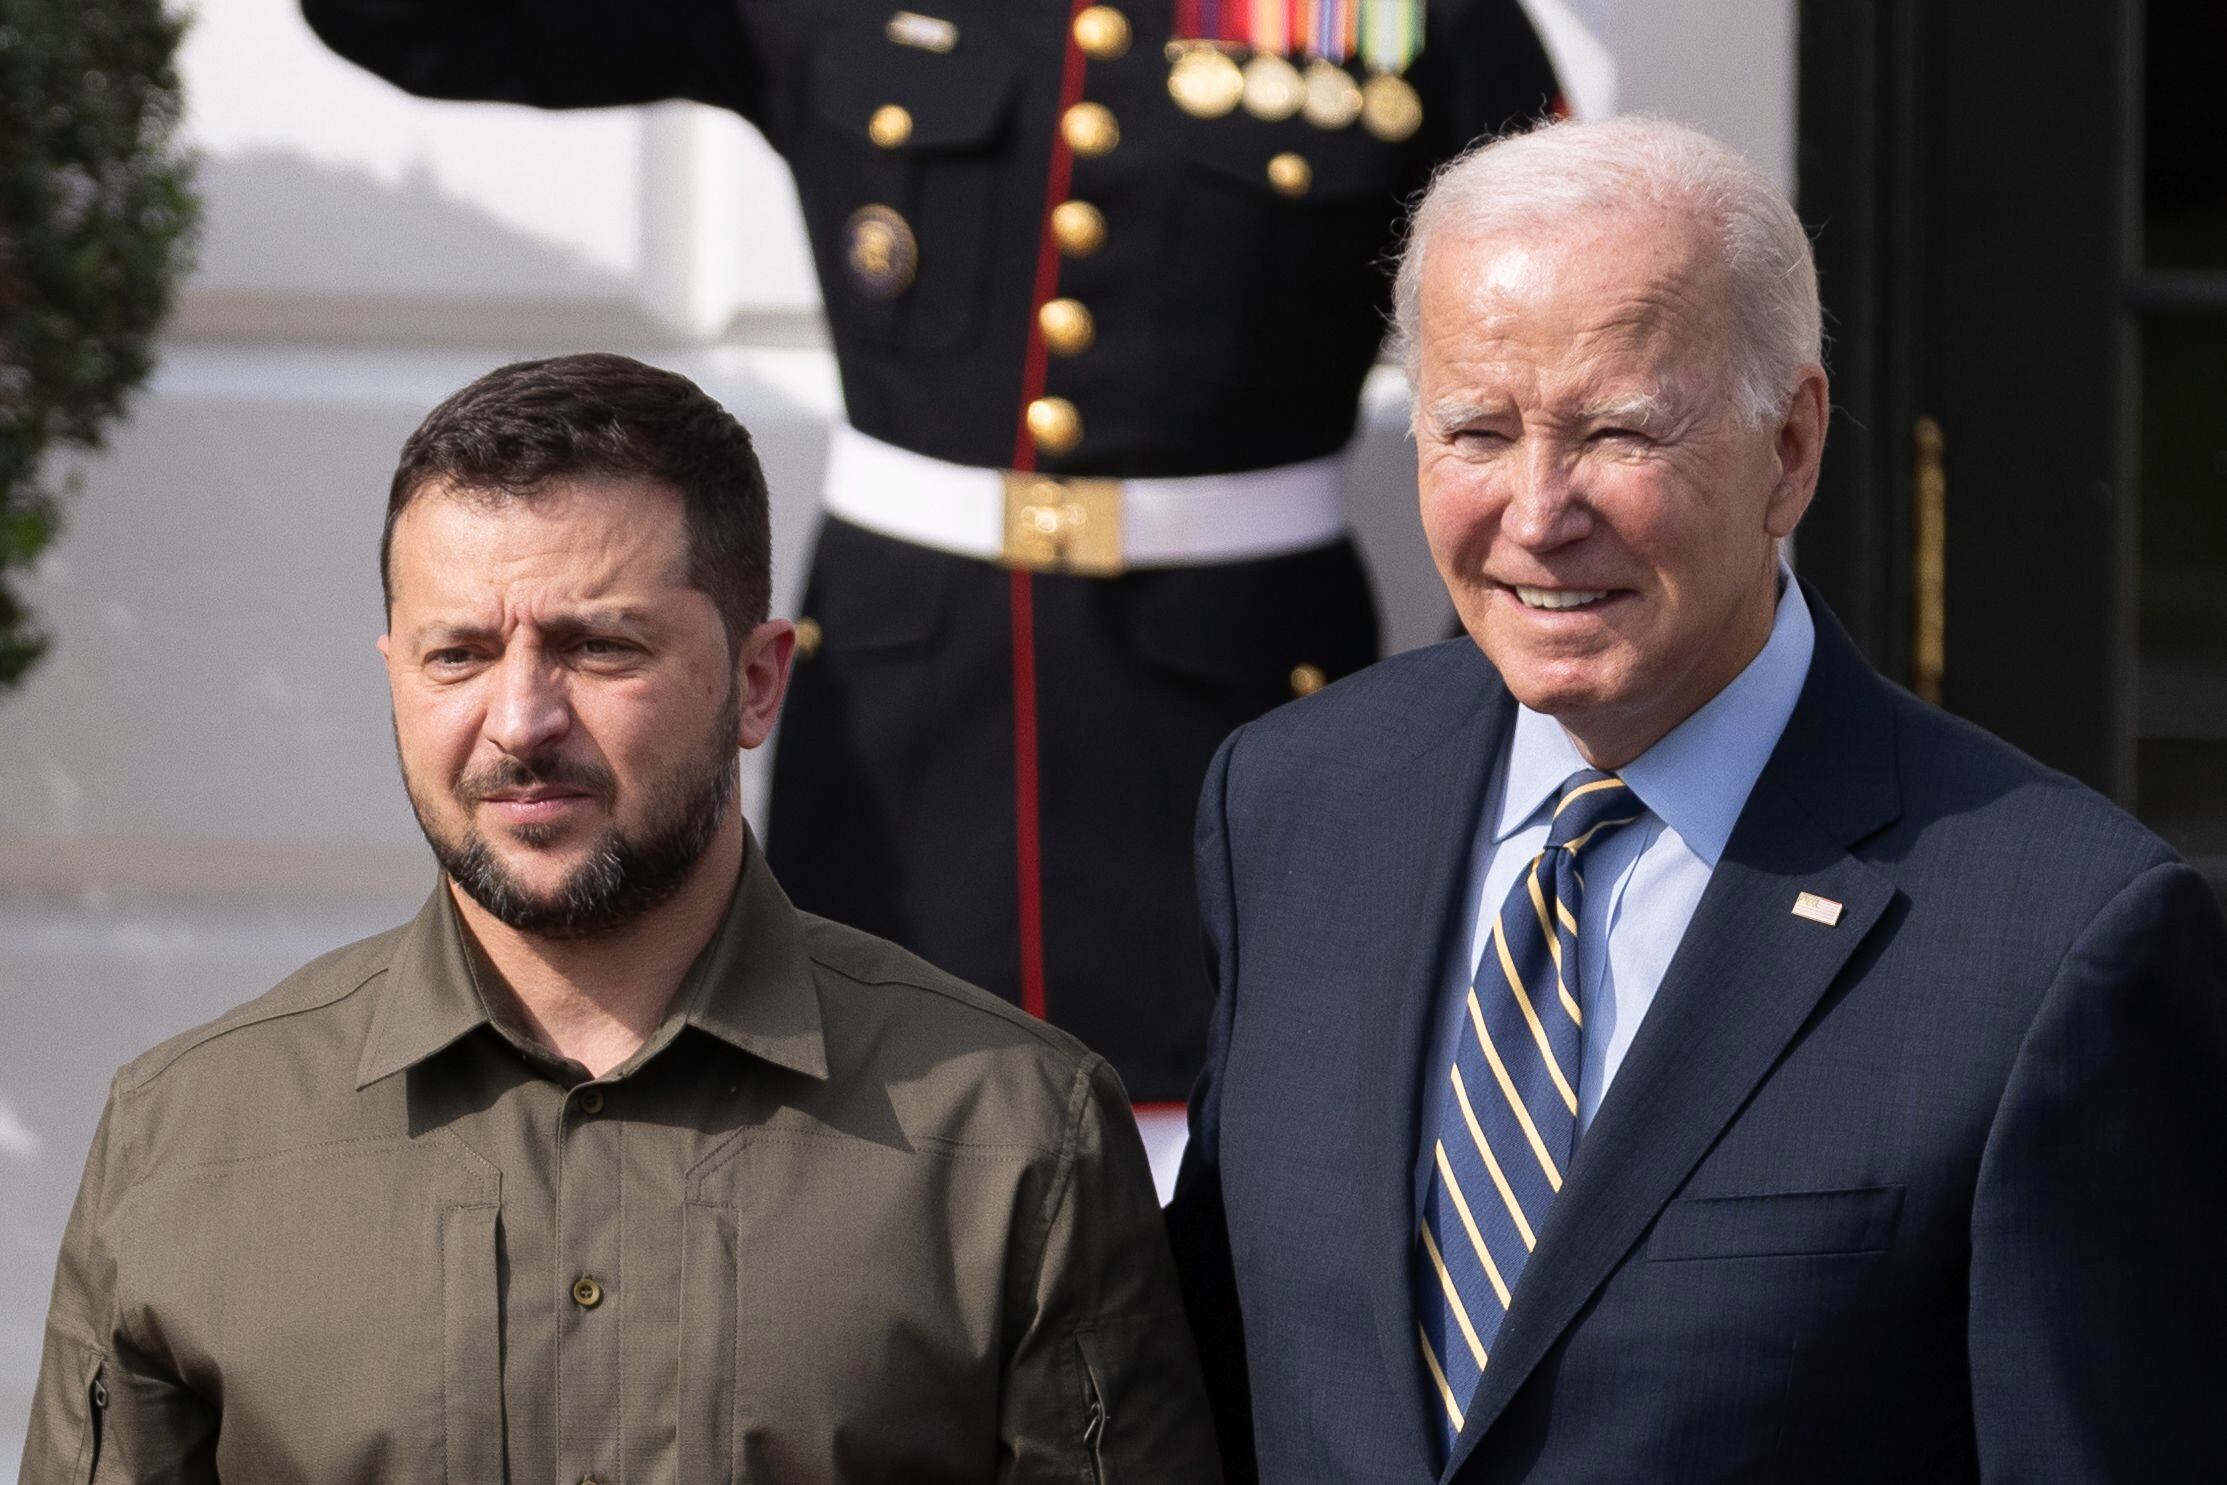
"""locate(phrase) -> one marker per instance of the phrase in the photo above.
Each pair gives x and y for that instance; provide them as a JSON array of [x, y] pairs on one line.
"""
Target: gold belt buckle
[[1062, 525]]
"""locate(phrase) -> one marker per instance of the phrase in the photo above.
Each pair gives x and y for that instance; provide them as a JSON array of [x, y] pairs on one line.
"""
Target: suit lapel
[[1746, 977], [1428, 809]]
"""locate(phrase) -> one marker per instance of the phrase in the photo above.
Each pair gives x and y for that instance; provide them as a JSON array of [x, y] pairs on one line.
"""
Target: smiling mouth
[[1558, 598]]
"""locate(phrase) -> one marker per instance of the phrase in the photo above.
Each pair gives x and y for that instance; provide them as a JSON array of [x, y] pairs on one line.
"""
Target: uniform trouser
[[894, 805]]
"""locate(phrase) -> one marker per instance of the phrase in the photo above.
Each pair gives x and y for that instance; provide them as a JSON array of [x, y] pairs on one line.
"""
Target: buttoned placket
[[591, 1285]]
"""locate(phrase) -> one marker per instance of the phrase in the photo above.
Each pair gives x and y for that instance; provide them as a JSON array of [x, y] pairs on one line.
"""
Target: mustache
[[525, 773]]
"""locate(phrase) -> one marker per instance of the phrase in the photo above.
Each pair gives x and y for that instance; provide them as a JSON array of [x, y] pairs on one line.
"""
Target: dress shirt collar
[[752, 987], [1697, 778]]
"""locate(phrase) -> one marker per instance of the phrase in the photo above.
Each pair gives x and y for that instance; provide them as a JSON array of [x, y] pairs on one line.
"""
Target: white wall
[[197, 790]]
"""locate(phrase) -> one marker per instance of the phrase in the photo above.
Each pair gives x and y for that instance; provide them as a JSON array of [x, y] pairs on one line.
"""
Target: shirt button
[[587, 1293], [591, 1101], [1090, 130]]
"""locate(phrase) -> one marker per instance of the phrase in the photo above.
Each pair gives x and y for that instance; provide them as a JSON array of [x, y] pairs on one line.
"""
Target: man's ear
[[386, 647], [1800, 446], [762, 679]]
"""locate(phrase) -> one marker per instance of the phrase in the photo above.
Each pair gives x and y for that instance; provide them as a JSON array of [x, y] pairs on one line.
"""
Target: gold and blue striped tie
[[1510, 1117]]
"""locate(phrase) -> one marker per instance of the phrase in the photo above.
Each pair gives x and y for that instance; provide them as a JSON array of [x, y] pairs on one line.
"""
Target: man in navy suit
[[1650, 1046]]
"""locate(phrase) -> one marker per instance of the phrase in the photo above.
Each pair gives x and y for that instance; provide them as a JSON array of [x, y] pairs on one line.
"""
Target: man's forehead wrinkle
[[488, 584], [503, 614], [1614, 320]]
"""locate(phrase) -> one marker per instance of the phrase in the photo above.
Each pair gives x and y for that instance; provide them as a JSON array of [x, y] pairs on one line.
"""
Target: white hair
[[1522, 185]]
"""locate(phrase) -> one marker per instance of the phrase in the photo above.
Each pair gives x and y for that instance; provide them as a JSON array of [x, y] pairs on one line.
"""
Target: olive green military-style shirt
[[840, 1218]]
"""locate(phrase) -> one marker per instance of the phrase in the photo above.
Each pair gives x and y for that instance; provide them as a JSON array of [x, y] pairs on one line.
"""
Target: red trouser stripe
[[1028, 836]]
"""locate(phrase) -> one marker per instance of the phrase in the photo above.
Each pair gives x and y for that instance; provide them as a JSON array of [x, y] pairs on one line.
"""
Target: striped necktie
[[1510, 1117]]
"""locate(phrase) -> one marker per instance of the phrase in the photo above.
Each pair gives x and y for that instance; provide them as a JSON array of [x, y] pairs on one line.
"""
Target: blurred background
[[2024, 241]]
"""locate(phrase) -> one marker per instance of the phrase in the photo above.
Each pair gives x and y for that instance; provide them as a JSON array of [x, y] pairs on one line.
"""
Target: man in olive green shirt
[[611, 1165]]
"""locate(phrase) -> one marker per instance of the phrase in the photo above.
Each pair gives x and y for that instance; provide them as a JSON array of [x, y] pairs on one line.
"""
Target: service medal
[[1333, 97], [880, 252], [1205, 83], [1389, 108], [1273, 91]]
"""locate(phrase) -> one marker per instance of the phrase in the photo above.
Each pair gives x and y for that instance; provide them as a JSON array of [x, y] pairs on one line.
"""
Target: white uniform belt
[[1098, 527]]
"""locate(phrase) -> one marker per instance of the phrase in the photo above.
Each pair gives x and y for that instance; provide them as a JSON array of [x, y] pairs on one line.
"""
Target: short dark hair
[[522, 427]]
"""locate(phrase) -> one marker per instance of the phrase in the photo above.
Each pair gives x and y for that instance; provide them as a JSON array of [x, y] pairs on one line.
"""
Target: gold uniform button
[[1307, 679], [591, 1102], [890, 126], [807, 638], [1102, 32], [1090, 130], [587, 1293], [1055, 425], [1068, 326], [1290, 174], [1079, 228]]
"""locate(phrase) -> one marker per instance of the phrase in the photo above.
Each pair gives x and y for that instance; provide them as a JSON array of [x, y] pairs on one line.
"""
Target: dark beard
[[623, 877]]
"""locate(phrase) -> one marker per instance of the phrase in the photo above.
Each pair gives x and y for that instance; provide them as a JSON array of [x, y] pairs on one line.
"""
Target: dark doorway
[[2022, 232]]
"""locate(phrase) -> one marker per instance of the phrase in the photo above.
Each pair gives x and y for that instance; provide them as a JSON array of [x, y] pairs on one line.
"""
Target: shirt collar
[[426, 1001], [1697, 778], [753, 986]]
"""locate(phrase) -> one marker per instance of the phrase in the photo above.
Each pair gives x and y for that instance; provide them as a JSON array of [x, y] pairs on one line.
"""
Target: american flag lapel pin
[[1817, 909]]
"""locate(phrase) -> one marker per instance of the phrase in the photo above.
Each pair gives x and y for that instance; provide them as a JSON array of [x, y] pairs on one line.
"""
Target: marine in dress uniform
[[1104, 281]]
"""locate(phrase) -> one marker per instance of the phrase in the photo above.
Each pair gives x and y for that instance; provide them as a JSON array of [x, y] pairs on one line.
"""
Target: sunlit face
[[1605, 525], [566, 706]]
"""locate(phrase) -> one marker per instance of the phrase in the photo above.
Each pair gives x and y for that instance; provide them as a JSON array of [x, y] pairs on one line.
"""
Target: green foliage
[[96, 222]]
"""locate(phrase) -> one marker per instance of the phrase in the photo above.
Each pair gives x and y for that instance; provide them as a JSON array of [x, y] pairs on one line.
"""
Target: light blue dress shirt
[[1645, 879]]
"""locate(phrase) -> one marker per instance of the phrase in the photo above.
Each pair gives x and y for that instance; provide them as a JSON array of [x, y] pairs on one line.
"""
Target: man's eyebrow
[[442, 632], [1448, 413], [1628, 407], [615, 616], [580, 621]]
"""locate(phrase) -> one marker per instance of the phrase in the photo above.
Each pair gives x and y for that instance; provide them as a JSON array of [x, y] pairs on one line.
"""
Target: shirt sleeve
[[101, 1410], [550, 53], [1103, 1384], [2098, 1298]]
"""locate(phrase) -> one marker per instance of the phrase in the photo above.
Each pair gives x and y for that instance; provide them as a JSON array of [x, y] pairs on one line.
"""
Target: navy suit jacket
[[1934, 1192]]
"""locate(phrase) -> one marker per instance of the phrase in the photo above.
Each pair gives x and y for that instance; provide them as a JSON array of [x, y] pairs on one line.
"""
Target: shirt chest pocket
[[336, 1298], [904, 165], [1299, 215], [842, 1310]]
